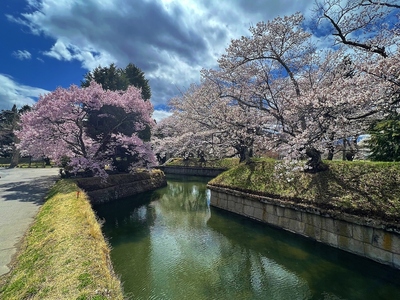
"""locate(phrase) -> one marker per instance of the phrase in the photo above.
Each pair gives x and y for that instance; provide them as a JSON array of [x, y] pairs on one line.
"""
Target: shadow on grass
[[364, 192], [364, 189]]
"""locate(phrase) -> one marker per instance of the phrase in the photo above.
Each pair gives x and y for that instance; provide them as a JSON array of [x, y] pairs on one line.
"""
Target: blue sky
[[50, 43]]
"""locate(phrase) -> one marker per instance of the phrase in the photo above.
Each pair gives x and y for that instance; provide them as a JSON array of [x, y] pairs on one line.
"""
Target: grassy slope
[[361, 188], [225, 163], [64, 254]]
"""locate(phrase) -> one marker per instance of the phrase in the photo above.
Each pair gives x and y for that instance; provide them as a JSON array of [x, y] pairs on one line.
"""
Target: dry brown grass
[[64, 254]]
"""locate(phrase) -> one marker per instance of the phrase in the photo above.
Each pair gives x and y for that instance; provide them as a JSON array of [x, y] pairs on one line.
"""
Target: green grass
[[23, 163], [33, 165], [64, 254], [369, 189]]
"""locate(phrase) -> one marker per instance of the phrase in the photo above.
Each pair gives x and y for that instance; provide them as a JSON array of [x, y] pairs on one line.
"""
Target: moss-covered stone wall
[[374, 239], [121, 185], [192, 171]]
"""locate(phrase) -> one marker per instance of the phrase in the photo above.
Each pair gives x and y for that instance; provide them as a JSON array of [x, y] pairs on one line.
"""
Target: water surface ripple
[[169, 244]]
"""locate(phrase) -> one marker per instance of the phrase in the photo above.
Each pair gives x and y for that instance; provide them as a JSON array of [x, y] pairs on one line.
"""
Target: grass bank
[[23, 162], [225, 163], [368, 189], [64, 254]]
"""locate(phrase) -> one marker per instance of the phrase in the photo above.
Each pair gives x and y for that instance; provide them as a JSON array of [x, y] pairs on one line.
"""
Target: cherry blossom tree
[[179, 136], [315, 97], [370, 31], [275, 89], [58, 126], [210, 126], [362, 24], [276, 70]]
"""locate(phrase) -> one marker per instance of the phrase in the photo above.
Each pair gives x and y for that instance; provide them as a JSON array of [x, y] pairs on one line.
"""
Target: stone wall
[[192, 171], [121, 185], [372, 239]]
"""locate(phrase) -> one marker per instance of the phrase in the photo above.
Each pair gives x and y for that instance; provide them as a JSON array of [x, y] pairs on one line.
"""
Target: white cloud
[[11, 92], [22, 54], [158, 115], [89, 57], [169, 40], [59, 51]]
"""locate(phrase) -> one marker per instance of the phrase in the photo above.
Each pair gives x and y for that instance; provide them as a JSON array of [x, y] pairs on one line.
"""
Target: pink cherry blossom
[[57, 127]]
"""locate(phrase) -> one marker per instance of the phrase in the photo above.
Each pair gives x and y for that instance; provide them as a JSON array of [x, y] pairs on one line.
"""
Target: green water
[[169, 244]]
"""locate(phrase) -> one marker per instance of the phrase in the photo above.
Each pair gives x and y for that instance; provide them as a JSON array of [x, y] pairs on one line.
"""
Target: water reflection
[[169, 244]]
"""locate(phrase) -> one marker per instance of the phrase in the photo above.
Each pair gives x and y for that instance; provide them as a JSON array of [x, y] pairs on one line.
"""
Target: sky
[[47, 44]]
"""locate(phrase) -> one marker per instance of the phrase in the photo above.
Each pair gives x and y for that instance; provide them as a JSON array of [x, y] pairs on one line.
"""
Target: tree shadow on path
[[27, 191]]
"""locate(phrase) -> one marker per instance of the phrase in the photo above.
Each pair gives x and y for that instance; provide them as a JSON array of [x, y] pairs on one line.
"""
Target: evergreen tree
[[113, 78], [385, 139], [9, 122], [136, 77]]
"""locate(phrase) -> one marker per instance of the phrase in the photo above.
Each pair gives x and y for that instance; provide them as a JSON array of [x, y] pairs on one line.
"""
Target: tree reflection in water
[[169, 244]]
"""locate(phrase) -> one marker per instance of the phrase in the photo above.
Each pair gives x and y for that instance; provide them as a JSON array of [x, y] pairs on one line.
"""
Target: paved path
[[22, 191]]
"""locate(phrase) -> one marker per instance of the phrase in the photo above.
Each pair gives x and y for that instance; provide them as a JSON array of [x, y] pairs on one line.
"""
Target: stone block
[[387, 243], [271, 209], [292, 214], [329, 238], [248, 210], [374, 243], [231, 205], [396, 261], [378, 254], [232, 198], [238, 208], [280, 211], [377, 238], [223, 203], [382, 239], [328, 224], [362, 233], [351, 245], [258, 213], [312, 219], [307, 218], [317, 220], [257, 204], [248, 202], [296, 226], [317, 233], [214, 200], [309, 230], [312, 232], [272, 219], [343, 228], [265, 214], [223, 196], [283, 222], [396, 243]]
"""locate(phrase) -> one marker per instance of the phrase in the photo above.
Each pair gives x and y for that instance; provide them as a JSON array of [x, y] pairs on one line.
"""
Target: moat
[[170, 244]]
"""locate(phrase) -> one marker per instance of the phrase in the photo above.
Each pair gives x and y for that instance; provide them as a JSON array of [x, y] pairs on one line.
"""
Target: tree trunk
[[315, 163], [350, 155], [331, 148], [14, 158], [245, 154], [344, 149], [330, 154]]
